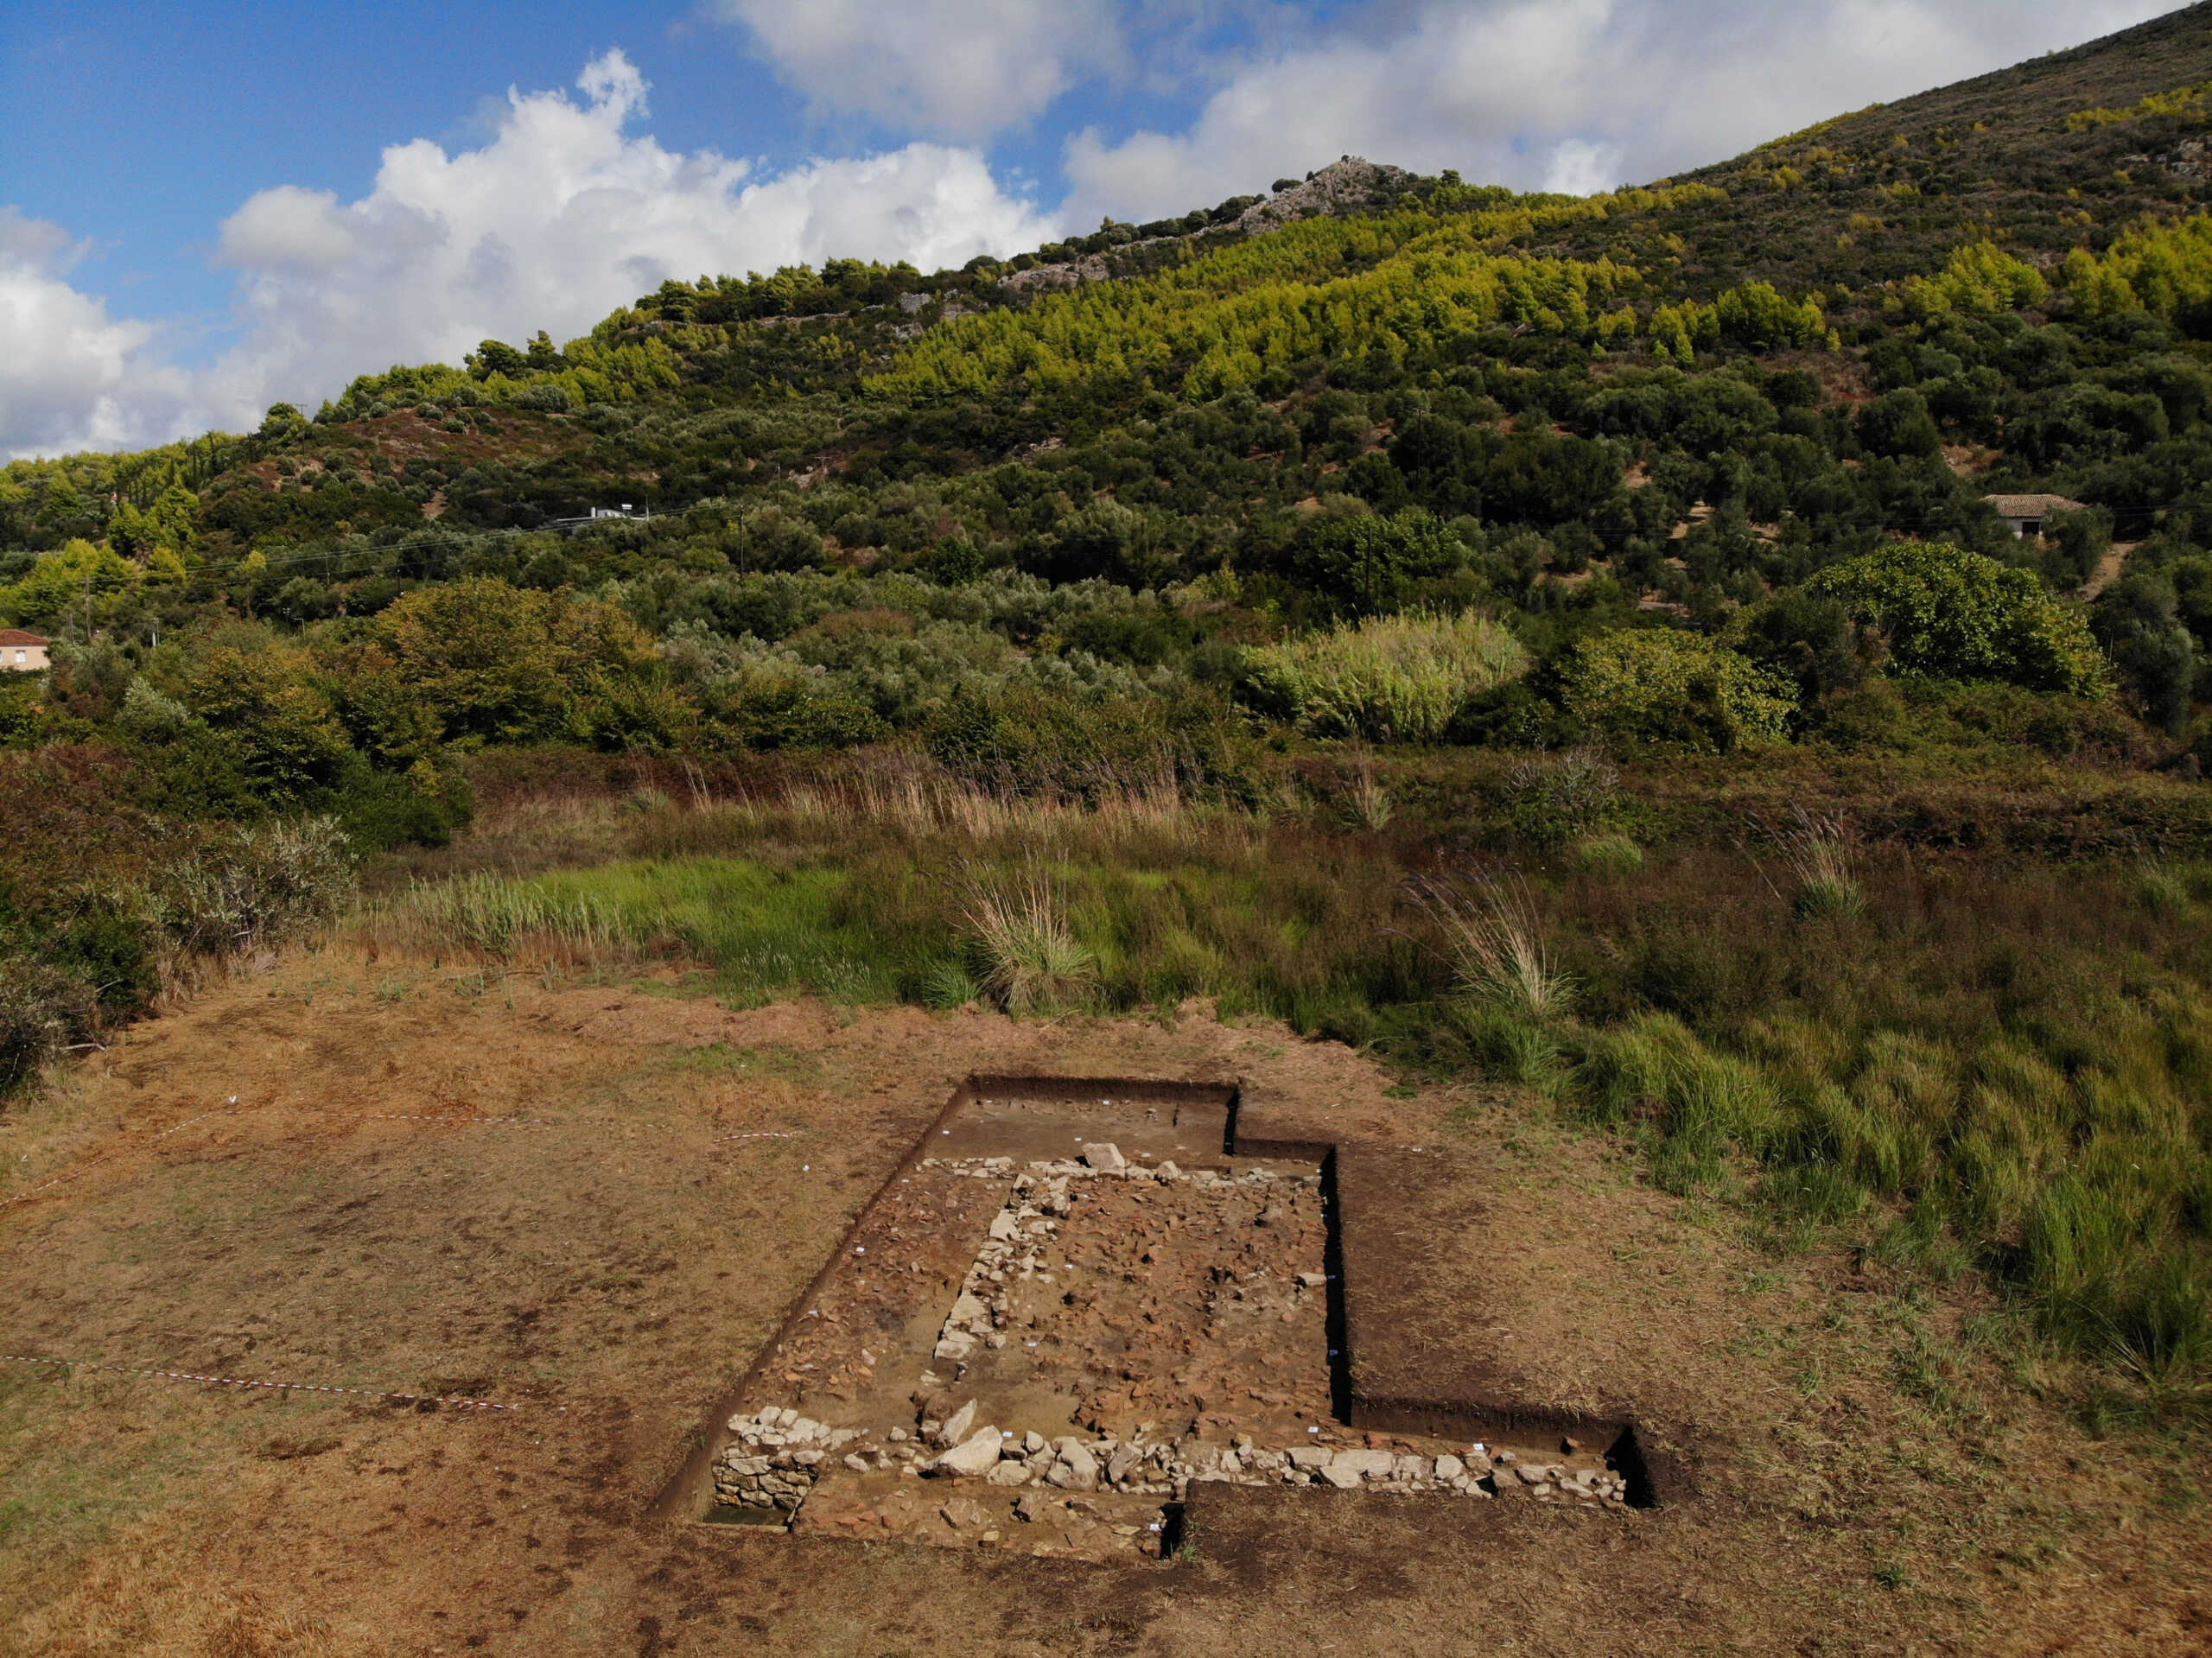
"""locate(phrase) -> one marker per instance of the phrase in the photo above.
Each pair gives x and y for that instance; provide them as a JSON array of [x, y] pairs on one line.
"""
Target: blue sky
[[149, 124], [206, 207], [149, 174]]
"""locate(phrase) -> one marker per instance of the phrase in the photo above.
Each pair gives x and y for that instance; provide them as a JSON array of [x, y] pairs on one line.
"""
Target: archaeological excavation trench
[[1074, 1299]]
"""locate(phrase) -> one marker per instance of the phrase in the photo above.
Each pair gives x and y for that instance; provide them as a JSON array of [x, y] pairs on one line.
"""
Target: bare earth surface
[[283, 1183]]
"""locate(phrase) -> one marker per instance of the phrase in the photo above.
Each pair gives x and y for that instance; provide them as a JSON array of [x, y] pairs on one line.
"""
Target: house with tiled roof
[[22, 652], [2026, 513]]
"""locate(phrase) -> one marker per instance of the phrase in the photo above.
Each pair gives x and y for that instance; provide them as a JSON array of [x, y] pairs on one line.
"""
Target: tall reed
[[1391, 678]]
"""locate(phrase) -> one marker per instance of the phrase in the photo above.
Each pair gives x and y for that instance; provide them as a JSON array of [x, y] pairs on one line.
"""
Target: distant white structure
[[623, 513]]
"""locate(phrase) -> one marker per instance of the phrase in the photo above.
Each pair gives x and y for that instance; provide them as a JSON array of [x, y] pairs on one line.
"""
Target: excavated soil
[[1074, 1304]]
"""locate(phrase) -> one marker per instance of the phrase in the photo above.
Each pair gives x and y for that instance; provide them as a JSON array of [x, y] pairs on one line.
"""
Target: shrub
[[547, 394], [78, 574], [43, 1010], [1979, 278], [1807, 640], [258, 886], [277, 727], [1654, 686], [801, 712], [2083, 538], [1366, 564], [2136, 621], [422, 806], [1392, 678], [1943, 611], [492, 662], [1899, 424], [1553, 799], [1912, 711]]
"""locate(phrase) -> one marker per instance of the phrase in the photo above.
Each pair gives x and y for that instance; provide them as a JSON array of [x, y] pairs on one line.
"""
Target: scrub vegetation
[[1570, 641]]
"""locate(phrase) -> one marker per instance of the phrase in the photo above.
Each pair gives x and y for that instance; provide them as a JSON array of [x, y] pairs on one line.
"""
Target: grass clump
[[1693, 1102], [1494, 935], [497, 917], [947, 985], [1389, 678], [1019, 924], [2162, 890], [2103, 1278], [1819, 856]]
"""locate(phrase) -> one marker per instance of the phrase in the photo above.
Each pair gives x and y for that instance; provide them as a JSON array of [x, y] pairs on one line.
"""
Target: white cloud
[[965, 68], [562, 215], [1579, 167], [70, 376], [1564, 94]]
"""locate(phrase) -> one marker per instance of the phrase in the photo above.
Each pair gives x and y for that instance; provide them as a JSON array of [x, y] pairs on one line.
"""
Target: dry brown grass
[[149, 1594]]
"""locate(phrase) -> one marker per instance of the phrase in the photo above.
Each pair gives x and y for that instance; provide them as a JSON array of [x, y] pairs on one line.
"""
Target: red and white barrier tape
[[48, 1185], [72, 1173], [245, 1381], [566, 1122], [386, 1117], [536, 1122]]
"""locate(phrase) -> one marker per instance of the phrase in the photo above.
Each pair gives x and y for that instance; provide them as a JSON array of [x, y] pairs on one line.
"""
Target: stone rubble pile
[[778, 1454], [776, 1458], [1169, 1467]]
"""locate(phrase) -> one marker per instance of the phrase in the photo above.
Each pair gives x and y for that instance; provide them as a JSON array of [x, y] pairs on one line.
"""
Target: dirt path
[[2108, 568]]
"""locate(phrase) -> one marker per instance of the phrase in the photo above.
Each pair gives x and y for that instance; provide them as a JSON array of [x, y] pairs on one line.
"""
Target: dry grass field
[[562, 1199]]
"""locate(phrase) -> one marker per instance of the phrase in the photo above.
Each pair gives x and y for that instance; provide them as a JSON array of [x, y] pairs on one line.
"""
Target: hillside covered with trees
[[1422, 522]]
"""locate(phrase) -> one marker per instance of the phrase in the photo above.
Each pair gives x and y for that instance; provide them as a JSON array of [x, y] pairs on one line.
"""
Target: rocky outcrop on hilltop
[[1346, 184], [1351, 184]]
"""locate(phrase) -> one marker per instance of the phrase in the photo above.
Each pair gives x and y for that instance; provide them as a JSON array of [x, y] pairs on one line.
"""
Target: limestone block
[[976, 1454]]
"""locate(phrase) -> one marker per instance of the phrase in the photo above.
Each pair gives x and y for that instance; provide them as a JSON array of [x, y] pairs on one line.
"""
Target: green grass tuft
[[1608, 854]]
